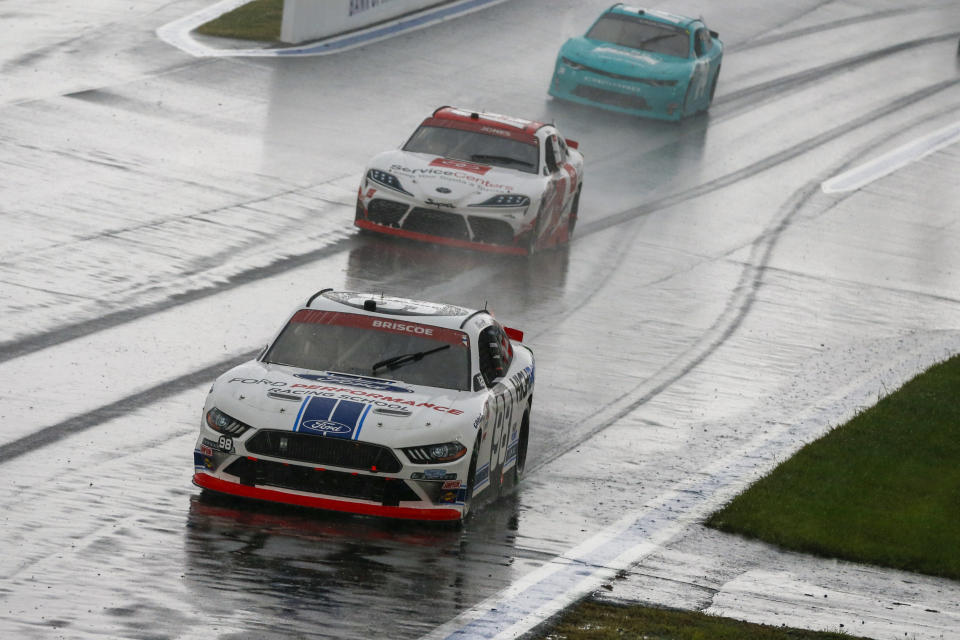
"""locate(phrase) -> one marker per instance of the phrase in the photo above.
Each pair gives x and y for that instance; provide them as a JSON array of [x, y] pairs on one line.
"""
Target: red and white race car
[[476, 180]]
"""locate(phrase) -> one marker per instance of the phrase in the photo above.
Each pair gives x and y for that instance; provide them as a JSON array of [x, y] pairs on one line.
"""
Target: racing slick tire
[[574, 211], [535, 233], [713, 86], [686, 101], [522, 444], [471, 479]]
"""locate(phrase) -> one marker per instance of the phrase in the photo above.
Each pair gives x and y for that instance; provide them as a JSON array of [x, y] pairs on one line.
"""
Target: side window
[[496, 353], [703, 42], [491, 362], [550, 154]]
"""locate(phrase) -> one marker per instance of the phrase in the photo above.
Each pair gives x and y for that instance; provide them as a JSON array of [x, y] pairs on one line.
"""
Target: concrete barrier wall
[[305, 20]]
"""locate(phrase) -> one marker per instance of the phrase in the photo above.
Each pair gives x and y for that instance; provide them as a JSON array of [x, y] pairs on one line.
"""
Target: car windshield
[[645, 35], [354, 344], [474, 146]]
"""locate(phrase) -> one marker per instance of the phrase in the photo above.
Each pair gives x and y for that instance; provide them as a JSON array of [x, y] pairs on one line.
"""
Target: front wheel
[[534, 239], [522, 445], [471, 479], [713, 85], [574, 212]]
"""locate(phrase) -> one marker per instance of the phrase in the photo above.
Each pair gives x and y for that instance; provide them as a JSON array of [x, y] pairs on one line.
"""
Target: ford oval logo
[[443, 190], [324, 426]]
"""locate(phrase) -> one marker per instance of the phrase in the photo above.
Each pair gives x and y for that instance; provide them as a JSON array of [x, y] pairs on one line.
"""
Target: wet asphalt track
[[162, 213]]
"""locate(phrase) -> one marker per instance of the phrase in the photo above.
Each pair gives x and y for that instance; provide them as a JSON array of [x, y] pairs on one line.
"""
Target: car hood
[[454, 183], [268, 396], [620, 60]]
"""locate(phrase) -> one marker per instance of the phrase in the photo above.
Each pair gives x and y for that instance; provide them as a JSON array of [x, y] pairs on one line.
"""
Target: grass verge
[[882, 489], [257, 20], [599, 621]]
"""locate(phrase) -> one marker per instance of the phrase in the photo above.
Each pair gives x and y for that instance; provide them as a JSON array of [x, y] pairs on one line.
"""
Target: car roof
[[436, 314], [485, 122], [653, 14]]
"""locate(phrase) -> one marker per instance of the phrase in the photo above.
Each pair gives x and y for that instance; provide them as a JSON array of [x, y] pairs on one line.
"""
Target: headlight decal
[[387, 180], [505, 200], [223, 423], [435, 453]]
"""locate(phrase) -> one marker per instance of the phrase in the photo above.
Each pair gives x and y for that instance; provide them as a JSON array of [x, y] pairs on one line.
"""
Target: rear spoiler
[[514, 334], [573, 144]]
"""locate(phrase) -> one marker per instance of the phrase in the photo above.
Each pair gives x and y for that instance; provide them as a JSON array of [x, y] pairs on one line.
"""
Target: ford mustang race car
[[641, 62], [476, 180], [372, 405]]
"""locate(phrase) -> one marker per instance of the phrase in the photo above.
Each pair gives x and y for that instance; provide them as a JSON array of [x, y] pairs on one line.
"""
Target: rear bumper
[[637, 99], [360, 507]]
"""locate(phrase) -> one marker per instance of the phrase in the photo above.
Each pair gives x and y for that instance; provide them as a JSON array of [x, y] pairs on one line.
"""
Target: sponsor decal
[[451, 484], [447, 497], [367, 398], [225, 443], [324, 426], [404, 327], [434, 474], [331, 417], [312, 316], [201, 461], [483, 474], [522, 382], [205, 450], [460, 165], [359, 6], [452, 175], [353, 381], [496, 117]]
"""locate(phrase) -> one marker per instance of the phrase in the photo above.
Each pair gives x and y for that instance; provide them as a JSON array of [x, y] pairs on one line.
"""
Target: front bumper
[[305, 477], [615, 93], [454, 227]]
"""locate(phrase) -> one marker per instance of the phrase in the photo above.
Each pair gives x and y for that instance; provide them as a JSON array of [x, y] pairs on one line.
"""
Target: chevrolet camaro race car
[[372, 405], [476, 180], [641, 62]]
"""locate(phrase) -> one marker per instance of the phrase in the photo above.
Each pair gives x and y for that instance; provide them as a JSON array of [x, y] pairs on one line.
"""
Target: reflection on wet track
[[716, 309]]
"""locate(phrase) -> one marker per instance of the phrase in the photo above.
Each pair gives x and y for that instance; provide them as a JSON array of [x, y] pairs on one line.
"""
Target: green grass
[[256, 20], [883, 489], [596, 621]]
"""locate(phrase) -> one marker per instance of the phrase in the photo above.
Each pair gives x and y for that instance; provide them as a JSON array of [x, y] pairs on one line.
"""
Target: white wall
[[315, 19]]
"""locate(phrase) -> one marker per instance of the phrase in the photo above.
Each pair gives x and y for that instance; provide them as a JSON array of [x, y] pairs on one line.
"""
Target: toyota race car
[[641, 62], [476, 180], [372, 405]]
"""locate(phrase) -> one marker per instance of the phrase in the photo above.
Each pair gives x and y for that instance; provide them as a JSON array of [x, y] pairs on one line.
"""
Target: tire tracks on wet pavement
[[736, 309]]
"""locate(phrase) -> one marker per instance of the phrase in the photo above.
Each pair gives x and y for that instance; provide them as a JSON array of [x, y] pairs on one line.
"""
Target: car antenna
[[484, 305]]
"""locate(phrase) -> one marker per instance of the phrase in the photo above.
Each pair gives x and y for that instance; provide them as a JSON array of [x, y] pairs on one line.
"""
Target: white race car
[[372, 405], [476, 180]]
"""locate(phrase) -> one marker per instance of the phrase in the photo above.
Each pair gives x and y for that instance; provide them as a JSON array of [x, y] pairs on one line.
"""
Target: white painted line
[[890, 162], [545, 591], [178, 32]]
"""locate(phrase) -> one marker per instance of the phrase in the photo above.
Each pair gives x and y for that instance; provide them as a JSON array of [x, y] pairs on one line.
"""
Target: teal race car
[[641, 62]]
